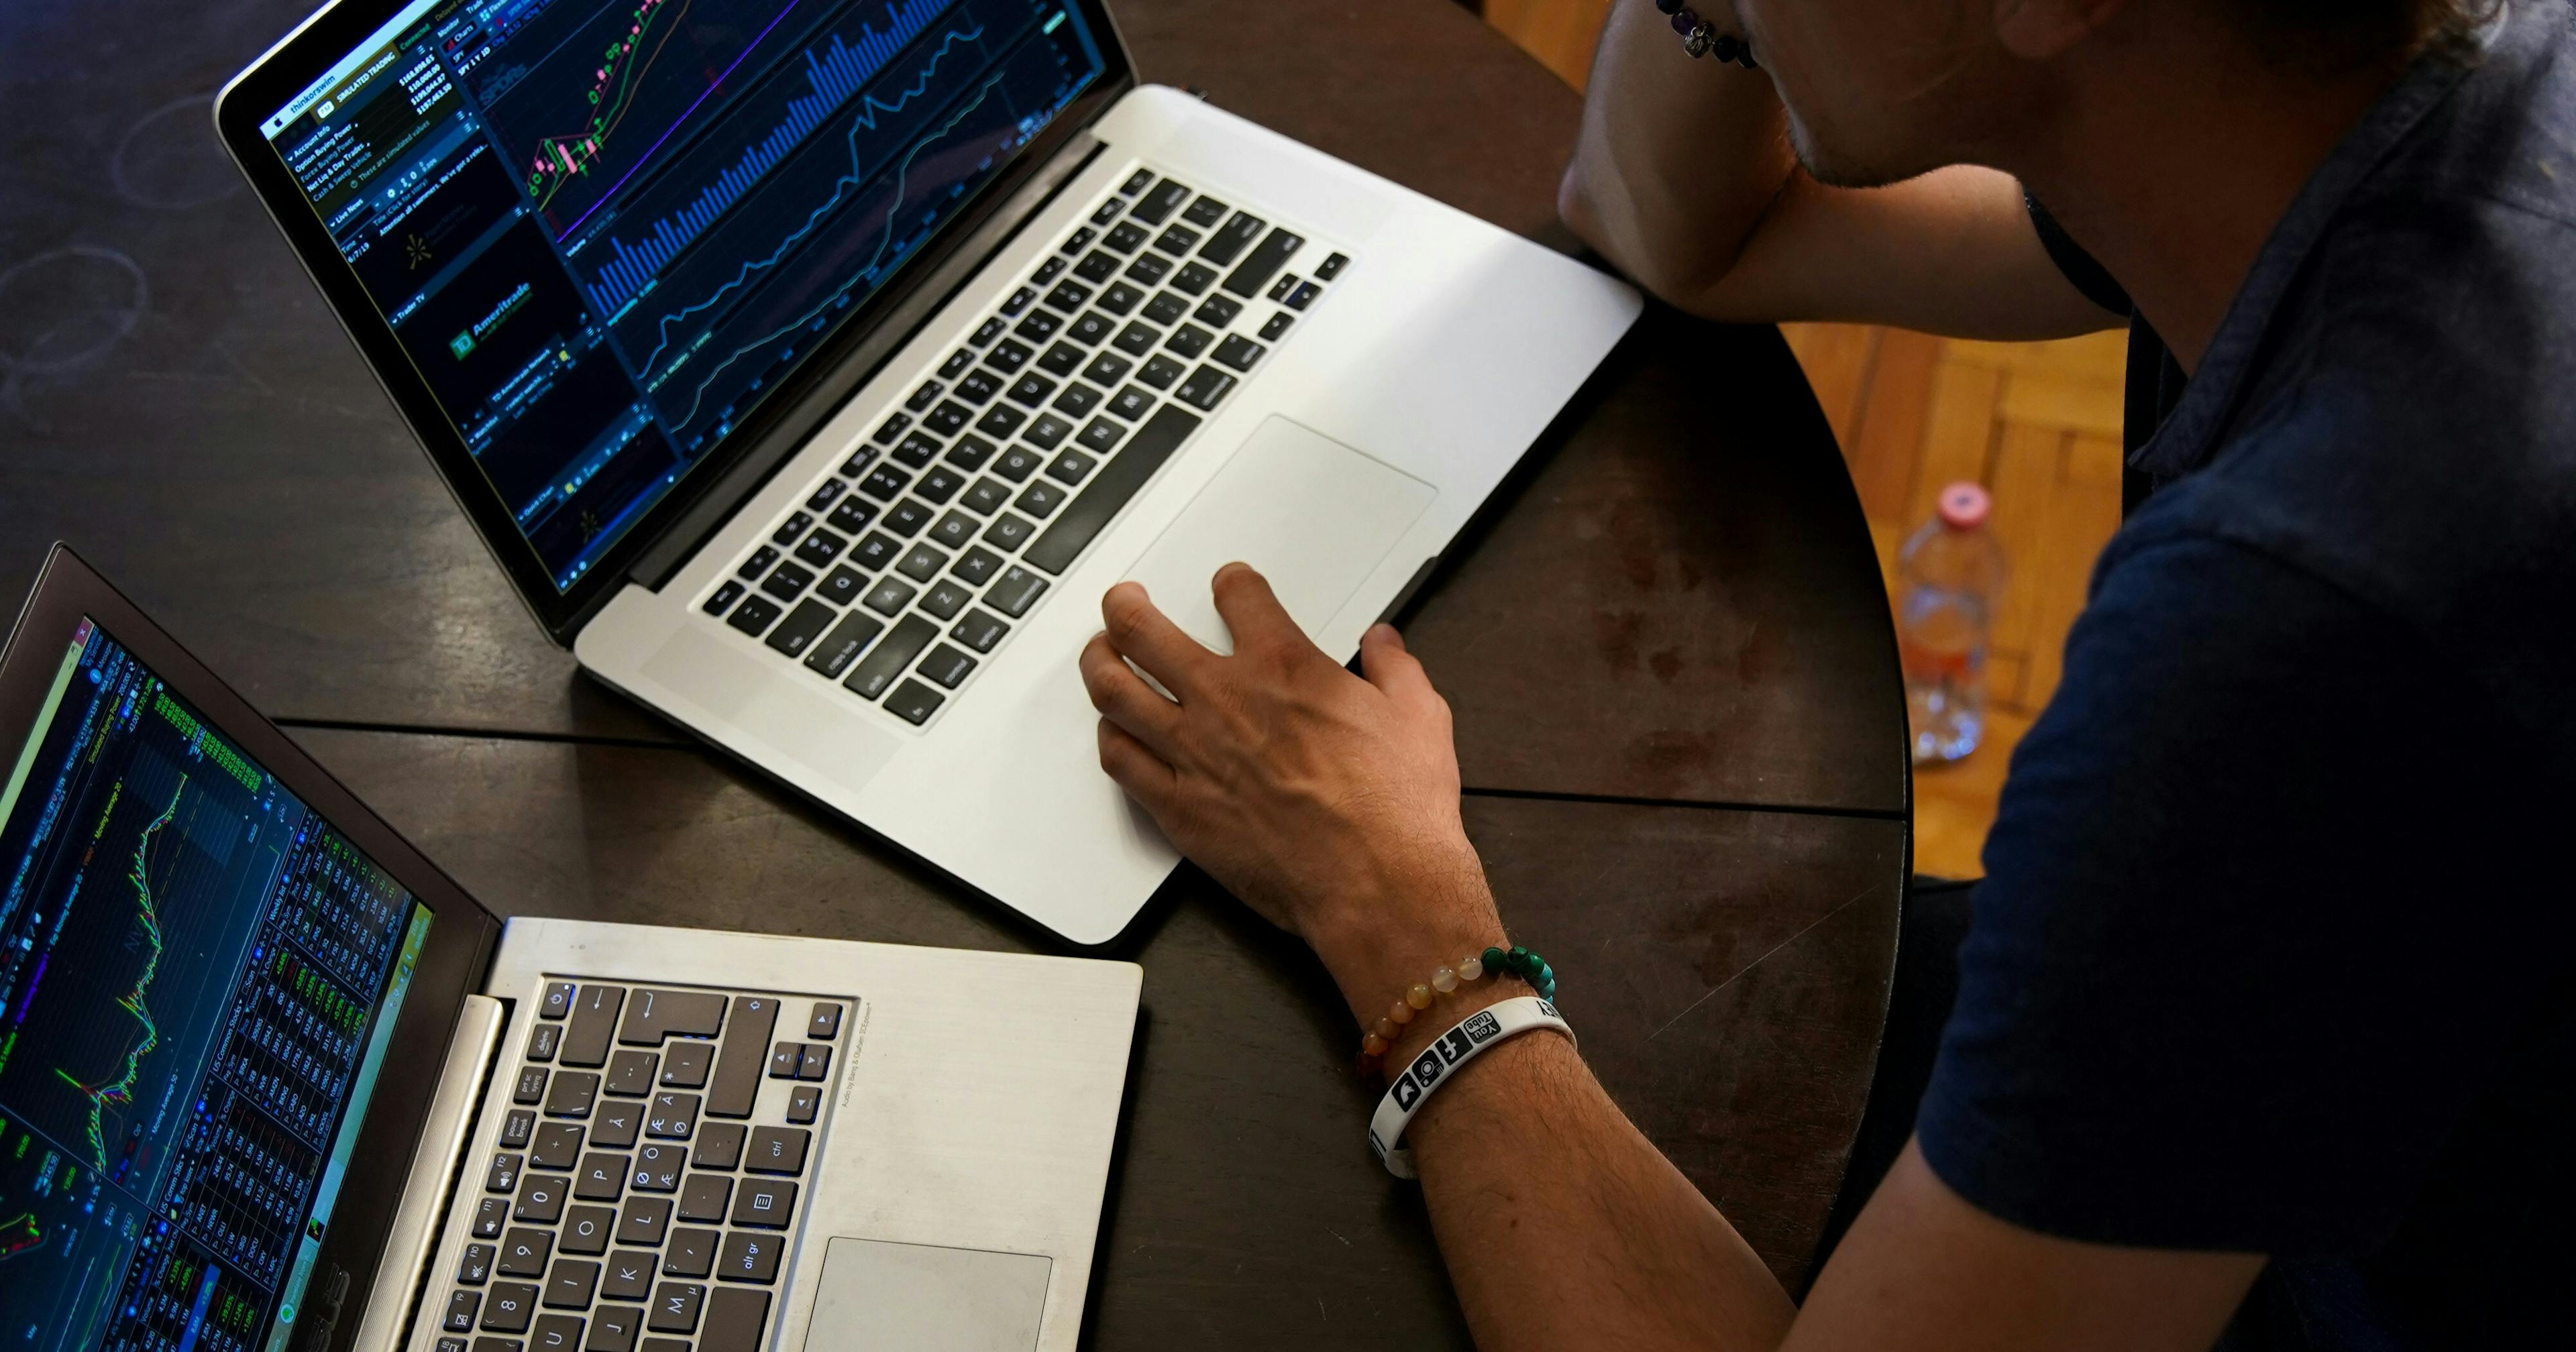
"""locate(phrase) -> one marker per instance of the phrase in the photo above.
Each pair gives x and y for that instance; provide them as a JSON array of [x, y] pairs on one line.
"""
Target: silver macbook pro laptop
[[270, 1082], [813, 366]]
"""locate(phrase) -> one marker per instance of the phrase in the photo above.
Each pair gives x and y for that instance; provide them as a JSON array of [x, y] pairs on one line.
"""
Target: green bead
[[1495, 961], [1518, 959]]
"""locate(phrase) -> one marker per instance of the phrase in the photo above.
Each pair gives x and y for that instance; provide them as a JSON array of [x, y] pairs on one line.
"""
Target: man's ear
[[2042, 30]]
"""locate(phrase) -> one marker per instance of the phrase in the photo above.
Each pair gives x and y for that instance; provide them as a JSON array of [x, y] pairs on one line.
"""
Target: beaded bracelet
[[1494, 962], [1701, 38]]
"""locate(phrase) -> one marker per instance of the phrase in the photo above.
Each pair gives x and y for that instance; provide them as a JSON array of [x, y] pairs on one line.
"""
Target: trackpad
[[1315, 516], [922, 1298]]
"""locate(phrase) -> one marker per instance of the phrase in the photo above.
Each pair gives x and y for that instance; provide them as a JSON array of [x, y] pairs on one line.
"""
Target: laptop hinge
[[412, 1244], [685, 535]]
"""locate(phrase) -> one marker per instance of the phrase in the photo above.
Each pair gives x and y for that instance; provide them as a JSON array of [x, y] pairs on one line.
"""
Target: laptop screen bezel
[[784, 417], [453, 956]]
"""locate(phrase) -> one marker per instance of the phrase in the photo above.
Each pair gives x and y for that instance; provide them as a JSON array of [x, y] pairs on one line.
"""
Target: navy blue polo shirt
[[2273, 951]]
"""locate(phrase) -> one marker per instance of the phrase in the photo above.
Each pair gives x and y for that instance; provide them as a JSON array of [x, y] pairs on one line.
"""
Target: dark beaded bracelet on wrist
[[1701, 38]]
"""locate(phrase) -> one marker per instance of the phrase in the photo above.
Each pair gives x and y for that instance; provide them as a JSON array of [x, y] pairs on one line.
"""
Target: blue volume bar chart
[[834, 75]]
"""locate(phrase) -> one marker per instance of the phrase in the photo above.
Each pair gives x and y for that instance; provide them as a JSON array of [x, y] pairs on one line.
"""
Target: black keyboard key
[[571, 1284], [1165, 199], [841, 586], [1101, 435], [594, 1018], [1177, 241], [1167, 308], [1033, 388], [787, 582], [1137, 338], [977, 566], [1020, 462], [1205, 387], [1071, 467], [1068, 296], [1331, 267], [1240, 232], [1097, 266], [1038, 326], [1008, 532], [1194, 278], [947, 666], [1062, 359], [629, 1275], [653, 1015], [1000, 421], [780, 1150], [602, 1178], [1092, 329], [554, 1333], [1119, 480], [1046, 430], [1205, 211], [1016, 592], [947, 598], [1107, 369], [939, 485], [1160, 371], [704, 1197], [672, 1116], [746, 1045], [1105, 213], [750, 1257], [948, 419], [586, 1229], [735, 1317], [825, 1023], [692, 1252], [1286, 286], [557, 1147], [764, 1203], [980, 632], [1126, 237], [675, 1307], [986, 332], [503, 1173], [1019, 300], [1078, 241], [878, 670], [1303, 296], [1048, 271], [954, 530], [891, 428], [461, 1309], [979, 387], [518, 1128], [914, 702], [510, 1308], [1132, 402], [724, 597], [1149, 269], [957, 362], [987, 496], [643, 1220], [858, 462], [1218, 311], [1077, 399], [813, 1062], [920, 563], [1189, 340], [907, 518], [805, 1102], [1008, 357], [921, 398], [852, 516], [719, 1146], [890, 596], [877, 552], [1136, 182], [754, 614], [916, 450], [558, 997], [475, 1267], [969, 453], [541, 1199], [617, 1124], [847, 640], [489, 1216], [884, 482], [1239, 352], [613, 1328], [1276, 325], [1120, 299], [525, 1253], [1041, 499], [804, 625], [784, 1058]]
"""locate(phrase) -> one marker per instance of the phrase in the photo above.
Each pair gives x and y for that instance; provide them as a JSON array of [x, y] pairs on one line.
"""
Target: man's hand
[[1327, 802]]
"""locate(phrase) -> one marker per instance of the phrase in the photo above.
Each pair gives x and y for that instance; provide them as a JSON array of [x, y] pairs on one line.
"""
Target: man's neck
[[2173, 166]]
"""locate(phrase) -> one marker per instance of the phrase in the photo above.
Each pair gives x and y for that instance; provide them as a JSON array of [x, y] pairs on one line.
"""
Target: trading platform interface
[[604, 232], [198, 980]]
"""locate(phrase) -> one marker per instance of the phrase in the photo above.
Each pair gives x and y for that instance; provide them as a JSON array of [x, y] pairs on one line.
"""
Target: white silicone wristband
[[1407, 1088]]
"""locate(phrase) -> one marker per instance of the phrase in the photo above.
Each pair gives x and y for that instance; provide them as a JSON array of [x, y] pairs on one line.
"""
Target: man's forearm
[[1562, 1226], [1677, 161]]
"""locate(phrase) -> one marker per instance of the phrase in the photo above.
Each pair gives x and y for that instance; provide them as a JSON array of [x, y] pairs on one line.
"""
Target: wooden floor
[[2037, 423]]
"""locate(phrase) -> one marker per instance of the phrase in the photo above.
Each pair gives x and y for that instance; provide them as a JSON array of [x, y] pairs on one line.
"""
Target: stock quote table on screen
[[603, 231], [196, 981]]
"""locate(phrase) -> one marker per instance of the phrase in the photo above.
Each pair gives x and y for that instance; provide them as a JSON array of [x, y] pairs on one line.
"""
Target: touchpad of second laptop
[[1313, 515], [924, 1298]]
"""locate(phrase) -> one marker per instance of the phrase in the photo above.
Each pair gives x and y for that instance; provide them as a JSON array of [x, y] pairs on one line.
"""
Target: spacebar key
[[744, 1053], [1061, 543], [734, 1317]]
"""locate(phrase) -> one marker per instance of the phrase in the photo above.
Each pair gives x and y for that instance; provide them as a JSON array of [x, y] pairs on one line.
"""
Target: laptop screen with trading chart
[[603, 233], [199, 979]]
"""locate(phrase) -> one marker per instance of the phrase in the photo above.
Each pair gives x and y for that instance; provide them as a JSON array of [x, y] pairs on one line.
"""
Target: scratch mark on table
[[1766, 957]]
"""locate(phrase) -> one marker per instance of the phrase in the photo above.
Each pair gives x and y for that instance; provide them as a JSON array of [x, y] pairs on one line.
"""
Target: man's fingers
[[1147, 636], [1124, 699], [1252, 611], [1134, 767]]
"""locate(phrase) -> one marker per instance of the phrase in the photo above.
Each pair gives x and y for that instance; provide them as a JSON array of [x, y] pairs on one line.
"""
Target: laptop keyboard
[[642, 1192], [904, 571]]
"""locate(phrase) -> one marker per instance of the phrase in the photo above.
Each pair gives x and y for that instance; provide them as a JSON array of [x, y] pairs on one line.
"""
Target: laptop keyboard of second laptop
[[907, 567], [644, 1186]]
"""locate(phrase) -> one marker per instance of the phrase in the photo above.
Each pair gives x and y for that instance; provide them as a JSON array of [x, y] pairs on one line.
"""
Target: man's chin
[[1832, 165]]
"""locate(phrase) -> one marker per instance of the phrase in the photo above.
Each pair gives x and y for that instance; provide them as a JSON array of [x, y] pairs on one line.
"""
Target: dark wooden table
[[1677, 700]]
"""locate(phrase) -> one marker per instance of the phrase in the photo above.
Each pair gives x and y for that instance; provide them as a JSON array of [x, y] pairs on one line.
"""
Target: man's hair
[[2333, 36]]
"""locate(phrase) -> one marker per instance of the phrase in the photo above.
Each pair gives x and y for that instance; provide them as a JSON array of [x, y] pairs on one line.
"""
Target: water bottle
[[1951, 572]]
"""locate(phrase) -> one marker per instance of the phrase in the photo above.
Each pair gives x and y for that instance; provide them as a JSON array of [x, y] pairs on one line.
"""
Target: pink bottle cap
[[1964, 505]]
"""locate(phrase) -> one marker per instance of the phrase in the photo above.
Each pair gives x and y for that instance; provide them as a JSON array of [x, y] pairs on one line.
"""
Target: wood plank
[[1895, 416], [1728, 971], [1954, 805], [2045, 400], [2095, 358], [2081, 519], [1560, 33], [2024, 484], [1837, 359], [1959, 433]]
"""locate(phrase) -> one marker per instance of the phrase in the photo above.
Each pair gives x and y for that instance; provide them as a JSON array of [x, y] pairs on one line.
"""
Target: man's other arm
[[1684, 179]]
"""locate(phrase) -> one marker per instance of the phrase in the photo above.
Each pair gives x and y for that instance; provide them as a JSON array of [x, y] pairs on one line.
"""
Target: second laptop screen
[[603, 233]]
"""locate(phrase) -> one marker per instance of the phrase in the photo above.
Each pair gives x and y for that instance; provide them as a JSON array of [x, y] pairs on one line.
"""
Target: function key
[[826, 493], [724, 597], [1177, 240], [1331, 267], [892, 427], [1240, 232], [1019, 300], [956, 364], [921, 398], [1136, 182], [558, 998], [825, 1023], [1038, 326], [1165, 199], [1097, 267], [793, 527], [914, 702], [751, 568], [1126, 237], [1108, 211], [1276, 325], [858, 462], [1079, 240], [1048, 271], [986, 332], [503, 1175], [1206, 211], [1149, 268], [518, 1128], [489, 1216], [1193, 278], [1218, 311]]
